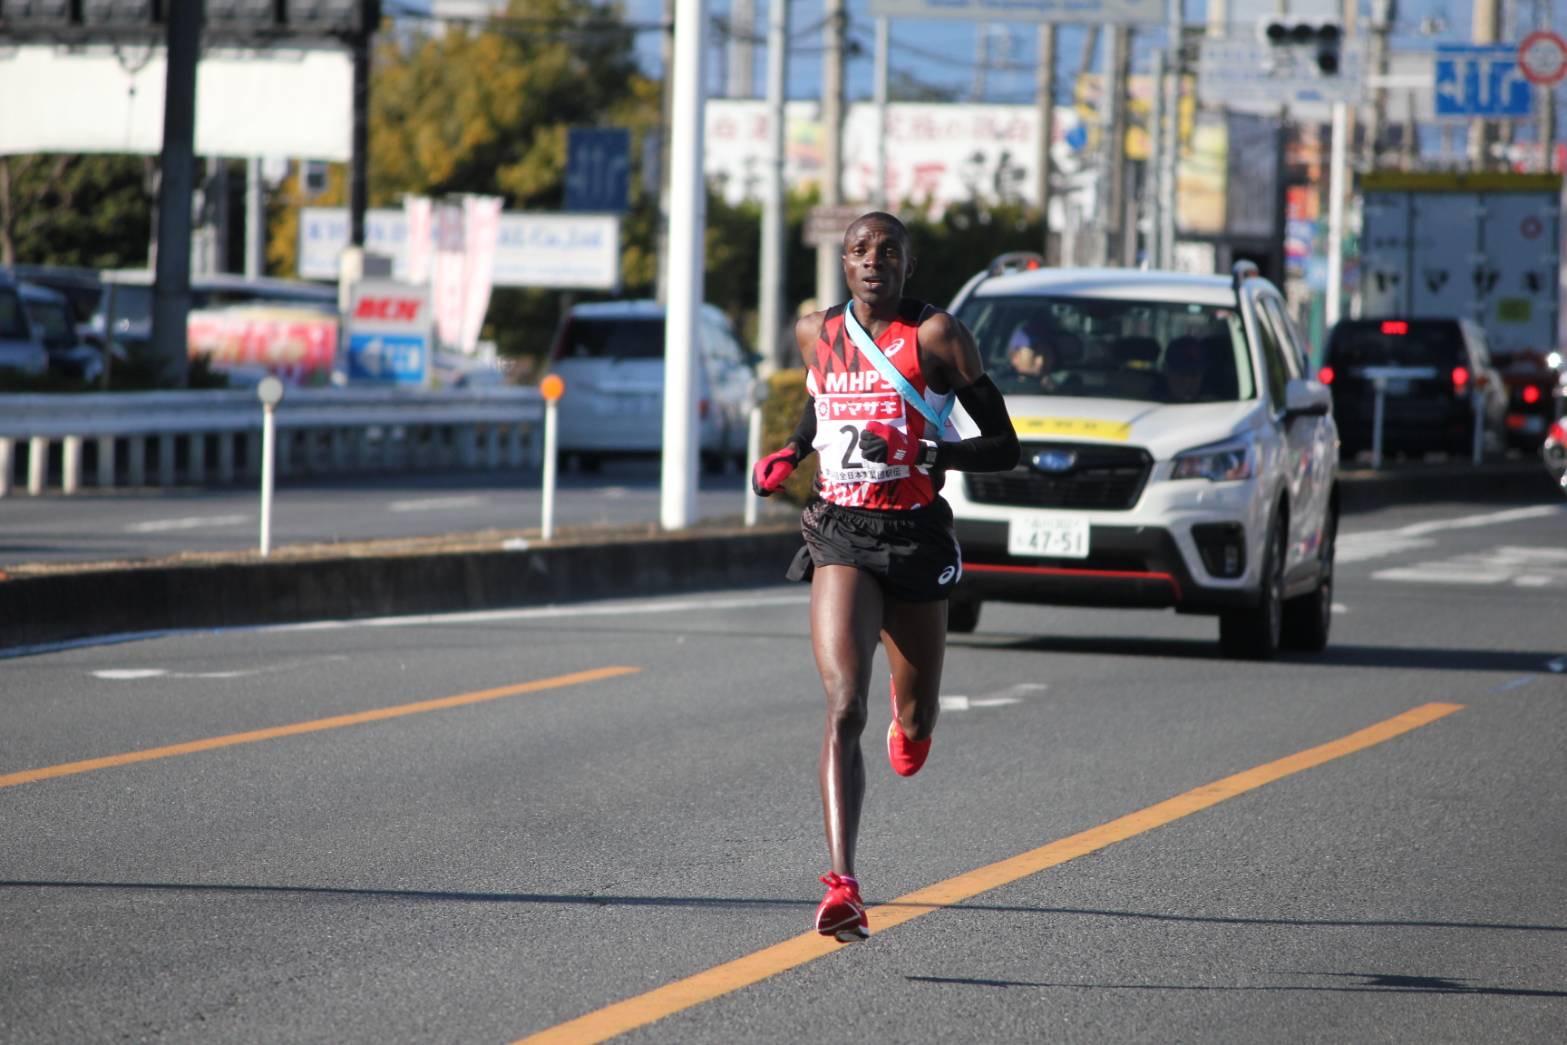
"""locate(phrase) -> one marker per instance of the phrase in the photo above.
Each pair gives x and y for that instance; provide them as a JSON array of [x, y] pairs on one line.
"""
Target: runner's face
[[876, 262]]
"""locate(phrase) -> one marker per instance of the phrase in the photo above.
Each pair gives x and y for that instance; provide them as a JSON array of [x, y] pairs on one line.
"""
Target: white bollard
[[7, 462], [71, 464], [37, 464], [753, 453], [270, 392], [551, 388]]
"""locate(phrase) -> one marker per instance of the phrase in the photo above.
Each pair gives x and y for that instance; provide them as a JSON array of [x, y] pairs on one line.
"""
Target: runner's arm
[[995, 449]]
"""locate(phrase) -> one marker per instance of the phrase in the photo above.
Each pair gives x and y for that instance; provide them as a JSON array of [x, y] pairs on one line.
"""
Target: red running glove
[[771, 471], [883, 444]]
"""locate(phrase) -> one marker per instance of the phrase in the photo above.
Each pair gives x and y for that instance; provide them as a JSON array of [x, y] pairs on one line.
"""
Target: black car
[[1434, 372], [1535, 386]]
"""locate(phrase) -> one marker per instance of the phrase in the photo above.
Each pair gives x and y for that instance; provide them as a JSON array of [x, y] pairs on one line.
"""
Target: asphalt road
[[1133, 840], [139, 524]]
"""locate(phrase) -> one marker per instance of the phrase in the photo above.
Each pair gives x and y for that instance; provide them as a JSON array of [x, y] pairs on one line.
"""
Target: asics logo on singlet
[[893, 349], [948, 575]]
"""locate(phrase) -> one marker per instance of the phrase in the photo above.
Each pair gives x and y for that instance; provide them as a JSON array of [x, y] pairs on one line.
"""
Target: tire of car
[[963, 615], [1253, 634], [1308, 618]]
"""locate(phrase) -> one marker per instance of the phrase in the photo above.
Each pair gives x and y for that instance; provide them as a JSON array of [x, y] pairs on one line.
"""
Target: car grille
[[1108, 478]]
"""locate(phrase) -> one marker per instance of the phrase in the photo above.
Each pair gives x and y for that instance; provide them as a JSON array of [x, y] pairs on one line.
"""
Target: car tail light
[[1460, 379], [1531, 394], [1325, 375], [1558, 432], [1395, 327]]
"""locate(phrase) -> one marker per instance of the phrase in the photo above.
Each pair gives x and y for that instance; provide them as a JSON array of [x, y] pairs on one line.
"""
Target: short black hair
[[883, 218]]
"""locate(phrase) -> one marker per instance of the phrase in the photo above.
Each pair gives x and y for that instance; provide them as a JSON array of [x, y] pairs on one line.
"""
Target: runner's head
[[877, 259]]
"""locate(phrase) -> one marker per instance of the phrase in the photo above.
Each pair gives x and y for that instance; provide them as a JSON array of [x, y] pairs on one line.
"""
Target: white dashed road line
[[188, 522]]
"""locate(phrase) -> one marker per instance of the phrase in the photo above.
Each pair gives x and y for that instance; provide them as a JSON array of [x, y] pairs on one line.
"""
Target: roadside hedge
[[780, 413]]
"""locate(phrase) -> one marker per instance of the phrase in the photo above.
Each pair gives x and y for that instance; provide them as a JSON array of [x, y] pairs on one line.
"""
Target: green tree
[[93, 211]]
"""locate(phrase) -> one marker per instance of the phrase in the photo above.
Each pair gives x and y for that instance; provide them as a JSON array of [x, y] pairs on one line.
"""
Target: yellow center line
[[28, 776], [731, 976]]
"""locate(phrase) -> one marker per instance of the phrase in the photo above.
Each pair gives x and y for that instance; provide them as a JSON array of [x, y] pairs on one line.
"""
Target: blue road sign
[[598, 169], [1482, 81], [398, 359]]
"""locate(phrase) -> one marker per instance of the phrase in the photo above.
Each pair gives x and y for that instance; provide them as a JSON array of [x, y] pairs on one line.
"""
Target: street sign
[[1242, 72], [598, 169], [1542, 57], [390, 333], [1079, 12], [1481, 81], [825, 225]]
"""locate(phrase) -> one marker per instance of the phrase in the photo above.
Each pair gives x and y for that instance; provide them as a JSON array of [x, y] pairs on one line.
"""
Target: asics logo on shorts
[[950, 574]]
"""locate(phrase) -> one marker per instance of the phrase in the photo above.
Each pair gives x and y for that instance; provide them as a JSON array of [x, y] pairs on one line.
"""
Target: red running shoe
[[906, 756], [841, 915]]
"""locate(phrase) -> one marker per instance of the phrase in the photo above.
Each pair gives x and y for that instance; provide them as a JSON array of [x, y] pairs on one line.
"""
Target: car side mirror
[[1303, 398]]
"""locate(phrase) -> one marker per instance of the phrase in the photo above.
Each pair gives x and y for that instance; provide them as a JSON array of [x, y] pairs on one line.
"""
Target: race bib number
[[841, 421]]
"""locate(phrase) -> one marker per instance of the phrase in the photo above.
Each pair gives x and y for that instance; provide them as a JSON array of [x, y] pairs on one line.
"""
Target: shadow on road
[[1371, 983], [1342, 656]]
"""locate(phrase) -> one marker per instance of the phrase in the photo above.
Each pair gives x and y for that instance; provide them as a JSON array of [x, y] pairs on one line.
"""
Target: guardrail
[[197, 437]]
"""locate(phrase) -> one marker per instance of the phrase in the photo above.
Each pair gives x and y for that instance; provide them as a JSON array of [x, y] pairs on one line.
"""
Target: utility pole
[[770, 322], [661, 226], [1487, 25], [879, 190], [1115, 86], [176, 185], [1383, 13], [1045, 99], [742, 45], [829, 266], [1169, 157]]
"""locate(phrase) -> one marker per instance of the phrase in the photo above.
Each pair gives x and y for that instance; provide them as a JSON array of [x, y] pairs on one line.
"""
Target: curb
[[71, 605]]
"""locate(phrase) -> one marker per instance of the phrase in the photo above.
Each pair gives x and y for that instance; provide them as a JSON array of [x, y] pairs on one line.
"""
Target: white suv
[[1176, 453]]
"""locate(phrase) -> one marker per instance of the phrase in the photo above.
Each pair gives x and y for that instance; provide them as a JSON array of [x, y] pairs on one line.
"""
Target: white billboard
[[1081, 12], [248, 103], [560, 251]]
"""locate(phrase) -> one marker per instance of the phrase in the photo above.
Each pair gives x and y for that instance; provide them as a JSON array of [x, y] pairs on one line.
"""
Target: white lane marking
[[533, 613], [188, 522], [548, 613], [954, 703], [994, 702], [435, 504], [129, 673], [1524, 567], [999, 699], [1339, 607], [1373, 544], [1517, 683], [124, 674]]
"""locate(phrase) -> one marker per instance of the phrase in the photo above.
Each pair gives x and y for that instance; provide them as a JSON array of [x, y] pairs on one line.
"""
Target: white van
[[611, 357]]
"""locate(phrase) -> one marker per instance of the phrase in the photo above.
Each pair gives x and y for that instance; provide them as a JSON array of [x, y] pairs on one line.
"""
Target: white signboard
[[1251, 75], [248, 103], [937, 154], [1084, 12], [563, 251]]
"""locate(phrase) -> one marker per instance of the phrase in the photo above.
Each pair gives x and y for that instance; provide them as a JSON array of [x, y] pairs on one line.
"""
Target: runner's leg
[[846, 612], [915, 638]]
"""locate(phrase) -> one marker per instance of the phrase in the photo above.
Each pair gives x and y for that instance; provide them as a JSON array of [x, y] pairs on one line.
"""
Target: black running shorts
[[913, 555]]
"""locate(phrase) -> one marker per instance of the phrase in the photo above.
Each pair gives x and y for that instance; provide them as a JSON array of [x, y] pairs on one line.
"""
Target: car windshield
[[12, 326], [1396, 342], [619, 338], [1154, 351]]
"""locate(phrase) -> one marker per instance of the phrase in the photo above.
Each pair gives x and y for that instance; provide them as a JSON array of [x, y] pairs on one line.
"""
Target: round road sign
[[552, 387], [270, 391], [1542, 57]]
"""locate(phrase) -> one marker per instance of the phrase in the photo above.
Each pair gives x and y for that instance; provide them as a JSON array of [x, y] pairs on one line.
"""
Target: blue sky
[[943, 53]]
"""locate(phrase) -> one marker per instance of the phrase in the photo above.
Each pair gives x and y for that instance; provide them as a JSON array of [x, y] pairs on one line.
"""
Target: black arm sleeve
[[804, 435], [995, 449]]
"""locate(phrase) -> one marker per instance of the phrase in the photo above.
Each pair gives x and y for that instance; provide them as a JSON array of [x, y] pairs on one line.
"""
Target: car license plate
[[1049, 536]]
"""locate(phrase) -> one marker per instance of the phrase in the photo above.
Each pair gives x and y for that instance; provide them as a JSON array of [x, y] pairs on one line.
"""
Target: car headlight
[[1222, 463]]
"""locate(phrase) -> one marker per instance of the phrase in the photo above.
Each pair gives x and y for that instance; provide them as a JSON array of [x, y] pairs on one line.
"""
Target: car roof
[[1113, 283]]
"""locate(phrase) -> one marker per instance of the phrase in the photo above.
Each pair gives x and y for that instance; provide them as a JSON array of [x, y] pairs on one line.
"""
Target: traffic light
[[1321, 40]]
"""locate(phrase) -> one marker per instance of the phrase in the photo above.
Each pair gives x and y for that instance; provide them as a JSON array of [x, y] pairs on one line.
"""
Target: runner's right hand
[[771, 471]]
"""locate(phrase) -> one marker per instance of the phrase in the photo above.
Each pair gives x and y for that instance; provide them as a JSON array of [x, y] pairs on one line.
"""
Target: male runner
[[879, 546]]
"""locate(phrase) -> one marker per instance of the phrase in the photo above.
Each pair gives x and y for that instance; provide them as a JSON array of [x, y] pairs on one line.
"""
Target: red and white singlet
[[849, 393]]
